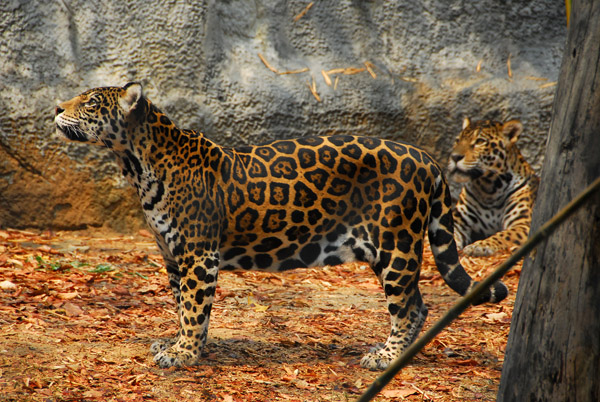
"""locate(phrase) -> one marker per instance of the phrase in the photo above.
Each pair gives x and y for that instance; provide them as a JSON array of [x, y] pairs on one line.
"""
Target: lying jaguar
[[494, 208], [287, 204]]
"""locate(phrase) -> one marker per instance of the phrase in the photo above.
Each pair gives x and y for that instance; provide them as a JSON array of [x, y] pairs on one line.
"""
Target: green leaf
[[102, 268], [140, 275], [55, 266]]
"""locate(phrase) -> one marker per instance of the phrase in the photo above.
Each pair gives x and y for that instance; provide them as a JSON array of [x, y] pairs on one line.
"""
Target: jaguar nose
[[58, 110], [456, 157]]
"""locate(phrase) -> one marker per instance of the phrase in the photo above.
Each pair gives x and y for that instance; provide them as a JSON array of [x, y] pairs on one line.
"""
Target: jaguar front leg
[[198, 282], [511, 237]]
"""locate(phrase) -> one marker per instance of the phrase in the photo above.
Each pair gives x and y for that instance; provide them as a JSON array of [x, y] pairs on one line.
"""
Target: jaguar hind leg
[[406, 308], [404, 332]]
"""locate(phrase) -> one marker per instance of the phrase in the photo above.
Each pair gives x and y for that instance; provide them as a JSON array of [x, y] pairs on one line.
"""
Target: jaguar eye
[[91, 103], [481, 141]]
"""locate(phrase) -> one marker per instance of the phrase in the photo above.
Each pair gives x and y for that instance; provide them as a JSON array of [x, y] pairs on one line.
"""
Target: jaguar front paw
[[479, 249], [175, 356]]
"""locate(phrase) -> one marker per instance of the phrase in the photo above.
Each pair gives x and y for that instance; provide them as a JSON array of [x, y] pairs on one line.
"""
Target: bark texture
[[553, 350]]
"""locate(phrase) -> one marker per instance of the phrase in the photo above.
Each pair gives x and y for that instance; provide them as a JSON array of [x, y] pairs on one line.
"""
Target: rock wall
[[402, 70]]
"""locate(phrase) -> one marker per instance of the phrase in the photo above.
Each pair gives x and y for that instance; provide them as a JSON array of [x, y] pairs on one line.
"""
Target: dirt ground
[[79, 310]]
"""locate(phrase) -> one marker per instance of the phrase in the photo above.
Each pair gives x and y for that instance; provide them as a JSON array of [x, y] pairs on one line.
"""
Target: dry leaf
[[266, 63], [92, 393], [303, 385], [369, 66], [121, 291], [353, 70], [313, 90], [145, 233], [398, 393], [152, 288], [223, 294], [292, 373], [67, 296], [467, 362], [499, 317], [15, 262], [336, 71], [259, 308], [72, 310], [326, 77], [7, 285], [302, 70], [532, 78], [303, 12]]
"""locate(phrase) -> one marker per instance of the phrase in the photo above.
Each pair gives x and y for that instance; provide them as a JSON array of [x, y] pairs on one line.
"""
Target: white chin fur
[[59, 134], [459, 177]]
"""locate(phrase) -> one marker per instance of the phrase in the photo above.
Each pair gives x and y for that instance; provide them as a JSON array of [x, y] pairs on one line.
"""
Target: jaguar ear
[[512, 129], [132, 94], [466, 123]]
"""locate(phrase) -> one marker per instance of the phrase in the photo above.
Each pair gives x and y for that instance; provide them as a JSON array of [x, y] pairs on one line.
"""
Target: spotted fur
[[493, 211], [288, 204]]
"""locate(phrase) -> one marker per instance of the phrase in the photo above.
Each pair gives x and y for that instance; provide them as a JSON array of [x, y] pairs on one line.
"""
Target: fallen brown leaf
[[93, 394], [121, 291], [266, 63], [370, 68], [303, 12], [72, 310], [398, 393], [326, 77], [67, 295]]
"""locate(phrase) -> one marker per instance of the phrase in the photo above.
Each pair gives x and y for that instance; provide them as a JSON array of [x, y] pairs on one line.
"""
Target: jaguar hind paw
[[377, 359]]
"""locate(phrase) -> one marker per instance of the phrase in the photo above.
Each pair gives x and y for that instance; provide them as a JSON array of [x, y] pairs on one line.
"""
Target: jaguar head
[[482, 147], [99, 115]]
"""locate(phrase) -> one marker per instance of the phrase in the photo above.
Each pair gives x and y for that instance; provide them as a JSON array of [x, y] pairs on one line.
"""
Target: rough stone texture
[[199, 62]]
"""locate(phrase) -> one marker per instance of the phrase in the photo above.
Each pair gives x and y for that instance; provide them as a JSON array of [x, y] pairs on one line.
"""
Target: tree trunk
[[553, 350]]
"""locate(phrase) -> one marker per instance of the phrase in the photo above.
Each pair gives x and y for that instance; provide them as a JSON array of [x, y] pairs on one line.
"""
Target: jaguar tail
[[443, 246]]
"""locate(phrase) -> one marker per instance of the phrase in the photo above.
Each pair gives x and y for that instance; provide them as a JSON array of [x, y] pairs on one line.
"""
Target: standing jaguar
[[493, 211], [286, 204]]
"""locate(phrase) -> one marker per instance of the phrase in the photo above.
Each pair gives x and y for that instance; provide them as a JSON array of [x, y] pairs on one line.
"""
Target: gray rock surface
[[199, 62]]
